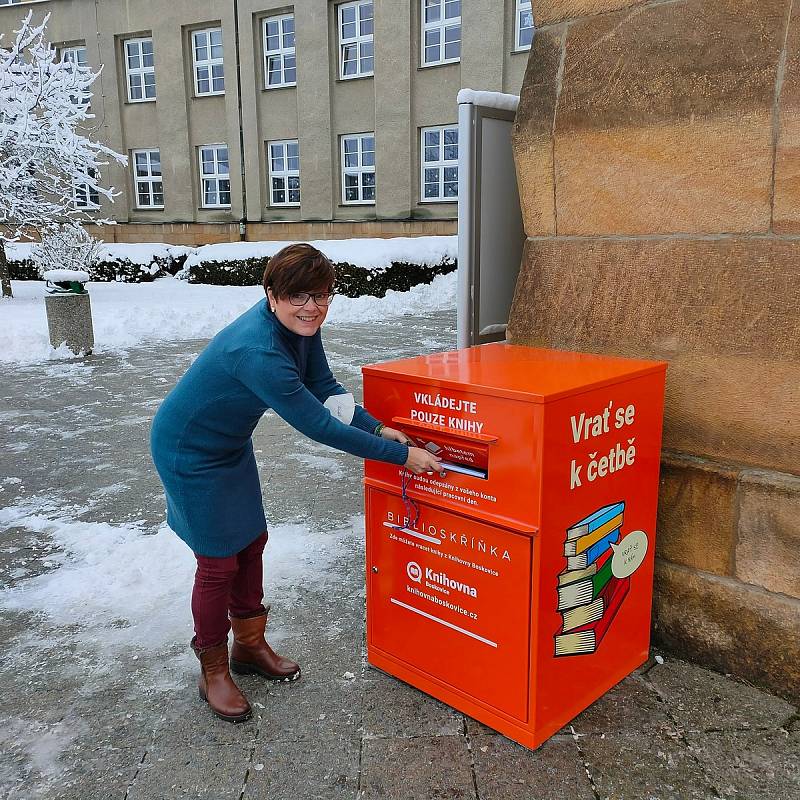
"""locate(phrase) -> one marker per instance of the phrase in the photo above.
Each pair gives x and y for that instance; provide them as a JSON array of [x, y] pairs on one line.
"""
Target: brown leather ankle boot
[[251, 653], [216, 686]]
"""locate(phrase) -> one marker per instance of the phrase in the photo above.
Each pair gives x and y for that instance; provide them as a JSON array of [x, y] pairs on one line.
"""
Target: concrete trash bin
[[69, 310]]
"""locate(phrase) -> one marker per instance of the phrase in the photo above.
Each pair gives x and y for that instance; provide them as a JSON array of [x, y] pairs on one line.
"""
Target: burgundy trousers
[[221, 585]]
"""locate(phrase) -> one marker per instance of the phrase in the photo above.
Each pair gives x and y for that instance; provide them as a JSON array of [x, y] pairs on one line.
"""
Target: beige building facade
[[260, 119]]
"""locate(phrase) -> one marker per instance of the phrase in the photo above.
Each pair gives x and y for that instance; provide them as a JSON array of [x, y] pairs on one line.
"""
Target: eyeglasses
[[301, 298]]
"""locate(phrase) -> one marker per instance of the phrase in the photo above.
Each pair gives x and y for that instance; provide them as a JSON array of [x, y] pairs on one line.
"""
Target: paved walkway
[[99, 701]]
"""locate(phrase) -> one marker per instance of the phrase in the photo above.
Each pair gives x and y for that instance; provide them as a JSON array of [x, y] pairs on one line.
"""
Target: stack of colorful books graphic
[[589, 595]]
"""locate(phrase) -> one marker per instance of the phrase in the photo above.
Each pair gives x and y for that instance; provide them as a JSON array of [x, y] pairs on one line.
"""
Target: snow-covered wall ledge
[[507, 102]]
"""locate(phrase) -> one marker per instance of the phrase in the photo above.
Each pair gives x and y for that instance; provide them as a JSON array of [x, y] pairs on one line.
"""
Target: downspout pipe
[[243, 220]]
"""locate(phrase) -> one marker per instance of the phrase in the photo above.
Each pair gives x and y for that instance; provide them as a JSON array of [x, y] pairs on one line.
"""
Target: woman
[[270, 357]]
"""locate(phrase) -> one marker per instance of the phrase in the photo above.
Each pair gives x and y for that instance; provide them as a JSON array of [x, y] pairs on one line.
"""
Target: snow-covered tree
[[66, 247], [49, 167]]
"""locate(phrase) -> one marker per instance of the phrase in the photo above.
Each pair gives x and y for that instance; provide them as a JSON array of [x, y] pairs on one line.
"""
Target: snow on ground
[[368, 253], [137, 253], [143, 568], [19, 251], [127, 315], [330, 466], [143, 572]]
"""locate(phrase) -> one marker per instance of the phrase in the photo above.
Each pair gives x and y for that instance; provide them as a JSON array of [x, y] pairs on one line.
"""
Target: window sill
[[145, 209], [282, 205], [279, 86], [130, 102], [208, 94], [440, 64], [431, 201], [520, 50], [349, 78]]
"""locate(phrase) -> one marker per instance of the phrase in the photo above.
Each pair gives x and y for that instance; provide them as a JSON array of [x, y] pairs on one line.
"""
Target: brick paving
[[76, 722]]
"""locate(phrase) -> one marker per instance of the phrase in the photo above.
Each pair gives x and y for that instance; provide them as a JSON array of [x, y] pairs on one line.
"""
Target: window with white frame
[[440, 164], [74, 55], [524, 24], [209, 73], [280, 58], [147, 178], [441, 31], [358, 168], [284, 173], [215, 176], [86, 195], [76, 58], [140, 70], [356, 46]]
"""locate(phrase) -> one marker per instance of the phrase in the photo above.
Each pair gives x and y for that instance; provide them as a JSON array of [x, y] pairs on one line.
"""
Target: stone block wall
[[658, 155]]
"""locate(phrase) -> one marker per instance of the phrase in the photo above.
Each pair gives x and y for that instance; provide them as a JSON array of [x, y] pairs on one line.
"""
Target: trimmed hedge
[[236, 272], [121, 270], [124, 271], [351, 280], [177, 261], [23, 270]]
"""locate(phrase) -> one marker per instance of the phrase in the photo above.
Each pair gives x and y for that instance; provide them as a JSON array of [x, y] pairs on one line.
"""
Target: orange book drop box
[[516, 586]]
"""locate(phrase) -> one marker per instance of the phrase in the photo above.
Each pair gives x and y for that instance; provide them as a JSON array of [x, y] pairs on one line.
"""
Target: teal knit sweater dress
[[201, 435]]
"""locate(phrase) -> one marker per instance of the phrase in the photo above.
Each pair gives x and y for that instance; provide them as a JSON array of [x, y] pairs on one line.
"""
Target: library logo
[[414, 571]]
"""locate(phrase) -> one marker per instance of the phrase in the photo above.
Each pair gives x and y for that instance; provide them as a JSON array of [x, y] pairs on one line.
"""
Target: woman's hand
[[394, 435], [420, 461]]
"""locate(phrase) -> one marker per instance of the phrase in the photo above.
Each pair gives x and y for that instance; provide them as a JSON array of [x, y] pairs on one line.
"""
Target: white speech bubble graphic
[[414, 571], [629, 554]]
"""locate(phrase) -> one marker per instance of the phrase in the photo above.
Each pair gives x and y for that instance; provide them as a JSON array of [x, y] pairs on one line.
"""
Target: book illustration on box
[[589, 593]]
